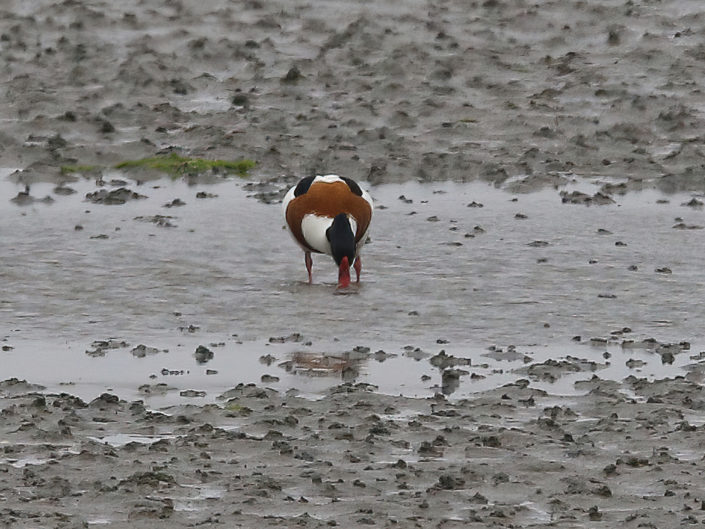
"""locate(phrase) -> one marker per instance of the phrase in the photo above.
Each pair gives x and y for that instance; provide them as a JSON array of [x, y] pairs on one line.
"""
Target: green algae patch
[[176, 166], [234, 409]]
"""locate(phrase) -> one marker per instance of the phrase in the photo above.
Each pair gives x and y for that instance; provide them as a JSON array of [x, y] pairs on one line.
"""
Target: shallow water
[[437, 274]]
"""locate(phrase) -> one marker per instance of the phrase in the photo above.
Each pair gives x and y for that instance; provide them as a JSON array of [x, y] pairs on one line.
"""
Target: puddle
[[533, 513], [32, 460], [512, 270], [204, 103], [21, 463], [200, 493], [119, 440]]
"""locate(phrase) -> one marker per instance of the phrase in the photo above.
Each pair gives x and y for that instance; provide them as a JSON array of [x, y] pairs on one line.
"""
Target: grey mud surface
[[525, 349]]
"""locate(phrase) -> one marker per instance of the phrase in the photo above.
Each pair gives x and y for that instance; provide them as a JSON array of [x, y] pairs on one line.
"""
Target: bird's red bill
[[344, 273]]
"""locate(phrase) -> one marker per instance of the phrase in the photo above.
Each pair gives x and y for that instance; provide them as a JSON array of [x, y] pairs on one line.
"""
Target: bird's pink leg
[[309, 263], [358, 267]]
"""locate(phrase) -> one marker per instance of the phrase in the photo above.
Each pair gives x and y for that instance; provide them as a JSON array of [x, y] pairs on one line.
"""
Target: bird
[[331, 215]]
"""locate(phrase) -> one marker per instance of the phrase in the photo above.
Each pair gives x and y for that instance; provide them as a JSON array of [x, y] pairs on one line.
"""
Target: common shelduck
[[329, 214]]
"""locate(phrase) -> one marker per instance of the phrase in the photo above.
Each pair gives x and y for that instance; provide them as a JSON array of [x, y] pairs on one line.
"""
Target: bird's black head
[[342, 239]]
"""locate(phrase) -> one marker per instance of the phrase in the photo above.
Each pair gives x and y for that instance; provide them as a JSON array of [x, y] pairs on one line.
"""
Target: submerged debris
[[578, 197]]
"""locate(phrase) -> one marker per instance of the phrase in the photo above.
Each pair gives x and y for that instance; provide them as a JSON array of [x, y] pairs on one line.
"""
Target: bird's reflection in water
[[344, 365]]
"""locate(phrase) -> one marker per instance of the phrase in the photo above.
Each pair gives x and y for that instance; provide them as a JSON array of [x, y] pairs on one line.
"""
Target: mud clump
[[203, 355], [577, 197], [161, 221], [113, 197], [142, 350], [101, 347], [443, 360]]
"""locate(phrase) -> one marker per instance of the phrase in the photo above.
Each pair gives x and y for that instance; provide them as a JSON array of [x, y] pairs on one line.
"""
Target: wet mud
[[512, 456], [421, 90], [525, 348]]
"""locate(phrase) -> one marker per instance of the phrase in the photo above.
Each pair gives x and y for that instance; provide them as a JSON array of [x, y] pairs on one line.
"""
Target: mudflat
[[384, 93], [524, 350]]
